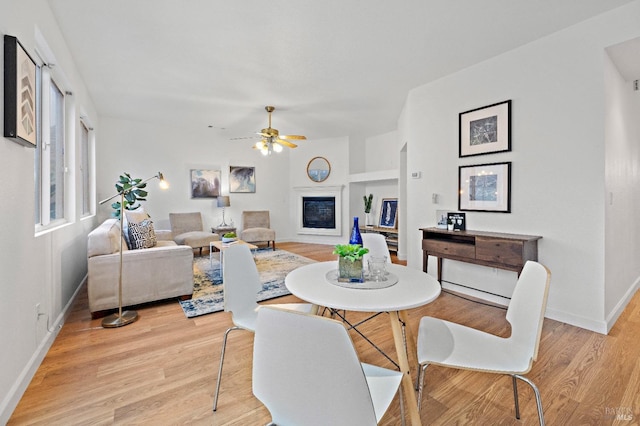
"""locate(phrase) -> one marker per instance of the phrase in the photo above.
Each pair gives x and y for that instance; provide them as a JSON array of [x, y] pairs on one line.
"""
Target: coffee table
[[221, 247]]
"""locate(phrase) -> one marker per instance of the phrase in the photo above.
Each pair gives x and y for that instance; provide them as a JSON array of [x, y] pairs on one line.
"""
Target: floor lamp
[[127, 317]]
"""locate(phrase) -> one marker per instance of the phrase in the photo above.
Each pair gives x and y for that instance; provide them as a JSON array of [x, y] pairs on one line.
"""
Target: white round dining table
[[414, 288]]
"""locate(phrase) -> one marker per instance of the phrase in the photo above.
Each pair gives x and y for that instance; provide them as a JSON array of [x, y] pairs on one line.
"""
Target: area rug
[[208, 290]]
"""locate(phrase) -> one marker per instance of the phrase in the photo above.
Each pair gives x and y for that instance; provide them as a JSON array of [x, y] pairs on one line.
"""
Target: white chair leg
[[536, 392], [224, 346]]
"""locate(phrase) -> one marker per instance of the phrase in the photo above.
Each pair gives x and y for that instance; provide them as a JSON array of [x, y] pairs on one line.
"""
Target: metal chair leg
[[224, 346], [515, 396], [536, 392], [421, 384]]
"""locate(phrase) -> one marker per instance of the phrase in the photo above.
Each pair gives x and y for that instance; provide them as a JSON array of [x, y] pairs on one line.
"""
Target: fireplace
[[319, 210]]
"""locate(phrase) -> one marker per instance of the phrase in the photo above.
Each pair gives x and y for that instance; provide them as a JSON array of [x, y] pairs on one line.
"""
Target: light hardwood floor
[[162, 370]]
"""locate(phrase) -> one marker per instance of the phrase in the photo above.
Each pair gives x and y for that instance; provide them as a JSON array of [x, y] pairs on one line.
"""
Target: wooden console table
[[493, 249]]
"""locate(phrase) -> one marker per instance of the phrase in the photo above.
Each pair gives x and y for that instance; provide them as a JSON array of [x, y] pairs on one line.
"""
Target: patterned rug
[[208, 292]]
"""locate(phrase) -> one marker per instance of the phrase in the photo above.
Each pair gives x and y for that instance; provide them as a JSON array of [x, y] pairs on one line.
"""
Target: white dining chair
[[377, 245], [306, 372], [241, 282], [453, 345]]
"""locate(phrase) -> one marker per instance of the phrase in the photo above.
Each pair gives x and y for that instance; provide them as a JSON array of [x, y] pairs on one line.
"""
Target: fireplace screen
[[319, 212]]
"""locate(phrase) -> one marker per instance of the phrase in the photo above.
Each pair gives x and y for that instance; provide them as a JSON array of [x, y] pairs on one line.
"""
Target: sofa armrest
[[164, 234]]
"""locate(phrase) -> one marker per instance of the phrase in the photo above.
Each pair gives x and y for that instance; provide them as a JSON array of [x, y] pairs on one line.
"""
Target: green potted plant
[[350, 262], [367, 208], [229, 237], [133, 197]]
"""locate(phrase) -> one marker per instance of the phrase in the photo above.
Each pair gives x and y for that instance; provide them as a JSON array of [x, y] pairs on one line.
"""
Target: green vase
[[350, 271]]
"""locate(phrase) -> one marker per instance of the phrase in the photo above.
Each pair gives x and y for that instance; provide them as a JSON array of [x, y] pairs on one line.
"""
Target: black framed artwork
[[485, 130], [19, 93], [485, 187]]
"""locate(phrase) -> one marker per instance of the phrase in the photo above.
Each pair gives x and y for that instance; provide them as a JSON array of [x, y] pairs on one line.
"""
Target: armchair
[[256, 228], [187, 230]]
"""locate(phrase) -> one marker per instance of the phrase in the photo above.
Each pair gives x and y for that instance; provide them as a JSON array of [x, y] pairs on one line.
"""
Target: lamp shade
[[223, 201]]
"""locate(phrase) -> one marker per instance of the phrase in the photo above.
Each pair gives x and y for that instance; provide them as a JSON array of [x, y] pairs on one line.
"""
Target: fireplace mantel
[[319, 191]]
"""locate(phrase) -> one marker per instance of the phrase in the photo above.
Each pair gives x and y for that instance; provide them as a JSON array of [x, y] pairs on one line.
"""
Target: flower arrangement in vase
[[350, 262]]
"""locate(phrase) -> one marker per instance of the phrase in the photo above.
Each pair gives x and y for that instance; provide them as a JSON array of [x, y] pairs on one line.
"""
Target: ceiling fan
[[272, 140]]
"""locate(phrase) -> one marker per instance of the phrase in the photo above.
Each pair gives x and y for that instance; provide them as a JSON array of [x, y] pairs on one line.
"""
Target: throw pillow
[[132, 216], [142, 235]]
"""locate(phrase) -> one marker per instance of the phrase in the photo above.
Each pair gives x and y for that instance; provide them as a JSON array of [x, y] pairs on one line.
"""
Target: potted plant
[[350, 262], [133, 197], [367, 208], [229, 237]]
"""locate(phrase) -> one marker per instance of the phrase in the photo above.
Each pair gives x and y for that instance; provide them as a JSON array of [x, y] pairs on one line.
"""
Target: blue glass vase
[[356, 238]]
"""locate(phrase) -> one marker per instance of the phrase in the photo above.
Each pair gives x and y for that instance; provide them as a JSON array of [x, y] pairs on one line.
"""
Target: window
[[85, 172], [50, 159]]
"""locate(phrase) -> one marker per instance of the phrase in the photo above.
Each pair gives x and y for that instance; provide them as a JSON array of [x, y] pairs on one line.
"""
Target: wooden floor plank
[[162, 369]]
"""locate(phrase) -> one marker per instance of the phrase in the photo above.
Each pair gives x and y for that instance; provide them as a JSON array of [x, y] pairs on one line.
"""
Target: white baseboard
[[21, 384]]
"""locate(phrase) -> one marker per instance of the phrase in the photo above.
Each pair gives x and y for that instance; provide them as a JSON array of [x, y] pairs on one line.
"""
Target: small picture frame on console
[[458, 220]]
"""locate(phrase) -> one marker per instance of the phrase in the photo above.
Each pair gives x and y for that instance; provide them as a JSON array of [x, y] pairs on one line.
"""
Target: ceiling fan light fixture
[[277, 147]]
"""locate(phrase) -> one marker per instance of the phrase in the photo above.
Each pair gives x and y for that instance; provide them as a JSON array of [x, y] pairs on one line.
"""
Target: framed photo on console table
[[485, 188], [485, 130]]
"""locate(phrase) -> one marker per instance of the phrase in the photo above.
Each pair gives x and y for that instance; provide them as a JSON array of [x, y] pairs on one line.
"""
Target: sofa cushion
[[105, 239], [142, 235]]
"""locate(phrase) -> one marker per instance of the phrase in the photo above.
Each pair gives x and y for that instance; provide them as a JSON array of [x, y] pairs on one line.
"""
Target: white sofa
[[150, 274]]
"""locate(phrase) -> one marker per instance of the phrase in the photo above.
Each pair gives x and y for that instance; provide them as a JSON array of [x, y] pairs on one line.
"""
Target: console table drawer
[[447, 248], [499, 250]]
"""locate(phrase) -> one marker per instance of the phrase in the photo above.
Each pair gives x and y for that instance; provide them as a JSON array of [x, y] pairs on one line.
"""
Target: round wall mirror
[[318, 169]]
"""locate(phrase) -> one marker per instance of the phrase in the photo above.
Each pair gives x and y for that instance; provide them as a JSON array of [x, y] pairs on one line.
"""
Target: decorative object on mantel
[[19, 93], [350, 262], [318, 169], [485, 130], [367, 209], [125, 188], [485, 187], [223, 201]]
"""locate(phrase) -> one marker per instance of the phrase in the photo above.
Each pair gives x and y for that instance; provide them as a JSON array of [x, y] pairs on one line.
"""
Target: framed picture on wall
[[205, 183], [485, 188], [242, 179], [485, 130], [388, 213], [19, 93]]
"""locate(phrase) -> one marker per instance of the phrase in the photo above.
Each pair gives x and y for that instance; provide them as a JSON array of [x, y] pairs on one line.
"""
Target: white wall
[[143, 149], [622, 197], [558, 128], [49, 268]]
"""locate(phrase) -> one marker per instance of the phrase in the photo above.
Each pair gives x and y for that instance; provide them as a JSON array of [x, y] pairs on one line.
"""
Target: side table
[[221, 230]]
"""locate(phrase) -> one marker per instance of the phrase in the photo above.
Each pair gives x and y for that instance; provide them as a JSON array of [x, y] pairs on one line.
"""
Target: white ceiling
[[331, 67]]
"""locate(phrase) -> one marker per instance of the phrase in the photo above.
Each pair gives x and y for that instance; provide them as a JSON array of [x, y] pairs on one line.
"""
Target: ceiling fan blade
[[294, 137], [248, 137], [285, 143]]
